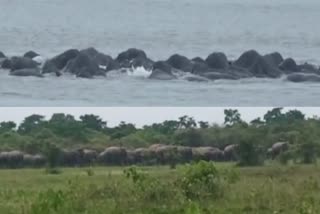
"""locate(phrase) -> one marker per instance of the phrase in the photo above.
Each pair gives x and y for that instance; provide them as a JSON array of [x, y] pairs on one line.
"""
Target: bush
[[90, 172], [53, 171], [308, 152], [199, 180], [150, 189], [189, 137], [50, 201], [285, 157], [53, 155], [249, 154]]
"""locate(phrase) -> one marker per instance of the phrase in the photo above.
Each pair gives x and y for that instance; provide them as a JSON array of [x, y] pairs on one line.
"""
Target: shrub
[[200, 180], [53, 171], [150, 189], [50, 201], [285, 157], [249, 154], [90, 172], [308, 152], [53, 155]]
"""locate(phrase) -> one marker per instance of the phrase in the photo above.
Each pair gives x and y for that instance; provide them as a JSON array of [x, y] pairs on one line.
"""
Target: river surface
[[161, 28]]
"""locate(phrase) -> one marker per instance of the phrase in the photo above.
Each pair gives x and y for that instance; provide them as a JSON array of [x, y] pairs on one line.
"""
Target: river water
[[161, 28]]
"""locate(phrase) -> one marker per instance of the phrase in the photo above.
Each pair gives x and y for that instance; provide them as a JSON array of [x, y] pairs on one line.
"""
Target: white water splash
[[139, 72], [39, 59]]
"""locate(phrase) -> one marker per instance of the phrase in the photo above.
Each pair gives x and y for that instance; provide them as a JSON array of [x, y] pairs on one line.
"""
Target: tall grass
[[195, 189]]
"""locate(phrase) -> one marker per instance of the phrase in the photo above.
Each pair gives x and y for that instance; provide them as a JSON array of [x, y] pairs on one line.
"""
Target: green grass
[[268, 189]]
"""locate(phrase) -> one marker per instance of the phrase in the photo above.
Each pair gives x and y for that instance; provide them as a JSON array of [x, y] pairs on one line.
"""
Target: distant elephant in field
[[113, 156], [144, 155], [33, 160], [12, 159], [184, 153], [207, 154], [166, 154], [88, 156], [277, 148], [71, 157], [230, 152], [131, 157]]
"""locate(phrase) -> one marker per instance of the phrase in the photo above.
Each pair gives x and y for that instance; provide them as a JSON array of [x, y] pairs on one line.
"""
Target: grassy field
[[102, 190]]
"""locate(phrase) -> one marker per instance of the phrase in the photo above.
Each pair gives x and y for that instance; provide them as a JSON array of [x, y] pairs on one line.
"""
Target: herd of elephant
[[155, 154], [89, 62]]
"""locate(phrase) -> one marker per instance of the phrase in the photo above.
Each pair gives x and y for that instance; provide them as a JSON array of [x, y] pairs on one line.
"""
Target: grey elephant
[[277, 148], [207, 154], [88, 156], [184, 154], [71, 157], [12, 159], [113, 156], [144, 155], [34, 160], [230, 152], [166, 154]]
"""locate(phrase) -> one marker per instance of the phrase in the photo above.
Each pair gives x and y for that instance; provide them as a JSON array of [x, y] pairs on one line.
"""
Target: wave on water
[[139, 72]]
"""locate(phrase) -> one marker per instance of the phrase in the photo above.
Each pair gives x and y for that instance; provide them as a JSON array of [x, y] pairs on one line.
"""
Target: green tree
[[232, 117], [274, 115], [122, 130], [308, 152], [168, 127], [7, 126], [294, 115], [249, 152], [67, 126], [203, 124], [257, 122], [189, 137], [31, 123], [93, 122], [186, 122], [53, 155]]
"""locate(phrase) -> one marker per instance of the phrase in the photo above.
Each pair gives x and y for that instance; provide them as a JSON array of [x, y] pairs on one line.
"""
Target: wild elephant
[[144, 155], [88, 156], [184, 153], [166, 154], [33, 160], [113, 156], [153, 147], [230, 152], [71, 158], [12, 159], [207, 154], [131, 157], [277, 148]]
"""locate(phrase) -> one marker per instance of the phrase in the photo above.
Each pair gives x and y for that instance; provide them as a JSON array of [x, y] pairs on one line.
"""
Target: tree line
[[254, 139]]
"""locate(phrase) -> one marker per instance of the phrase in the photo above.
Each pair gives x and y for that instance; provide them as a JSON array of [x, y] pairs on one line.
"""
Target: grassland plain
[[266, 189]]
